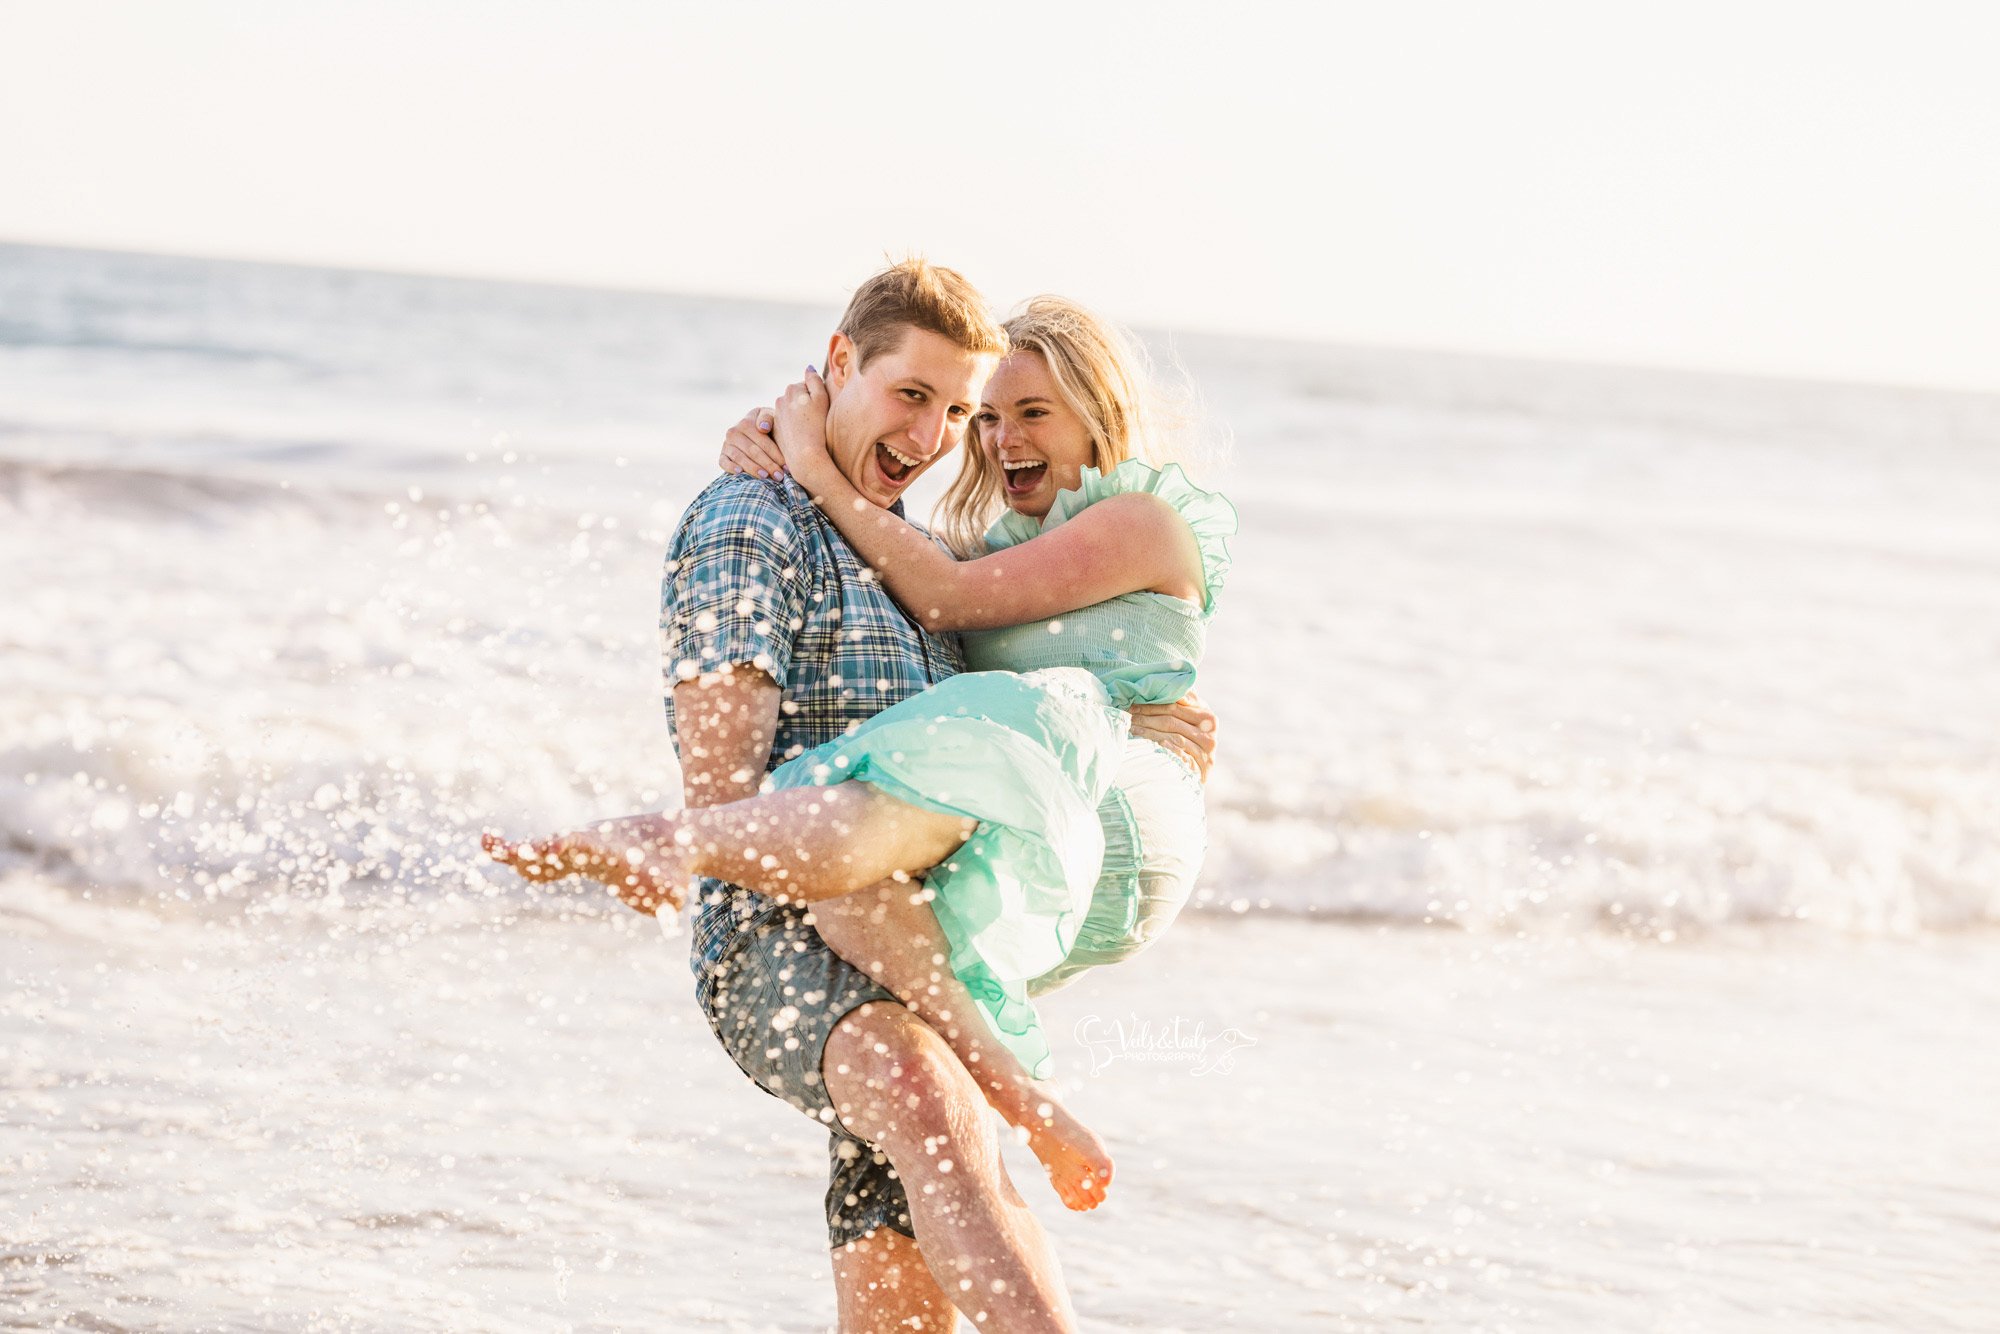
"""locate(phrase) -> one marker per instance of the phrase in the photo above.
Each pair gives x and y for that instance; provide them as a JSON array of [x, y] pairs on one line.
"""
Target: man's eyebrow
[[925, 385]]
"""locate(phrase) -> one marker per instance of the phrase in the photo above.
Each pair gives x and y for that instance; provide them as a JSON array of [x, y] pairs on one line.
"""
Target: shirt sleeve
[[735, 588]]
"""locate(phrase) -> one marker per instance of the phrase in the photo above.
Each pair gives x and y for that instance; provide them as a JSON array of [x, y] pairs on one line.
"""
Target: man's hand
[[1187, 728]]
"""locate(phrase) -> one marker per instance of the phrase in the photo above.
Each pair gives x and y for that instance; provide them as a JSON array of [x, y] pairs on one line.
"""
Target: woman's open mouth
[[1024, 475]]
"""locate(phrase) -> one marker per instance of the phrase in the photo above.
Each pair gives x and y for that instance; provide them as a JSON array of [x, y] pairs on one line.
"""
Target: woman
[[1091, 593]]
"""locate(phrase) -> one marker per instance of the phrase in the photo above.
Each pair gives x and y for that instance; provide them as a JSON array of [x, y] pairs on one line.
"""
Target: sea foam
[[313, 576]]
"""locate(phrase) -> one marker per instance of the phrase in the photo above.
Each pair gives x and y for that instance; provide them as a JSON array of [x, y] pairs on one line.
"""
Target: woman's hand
[[801, 429], [749, 448]]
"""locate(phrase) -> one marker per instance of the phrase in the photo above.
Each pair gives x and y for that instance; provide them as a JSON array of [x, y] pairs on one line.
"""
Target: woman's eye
[[1036, 412], [984, 418]]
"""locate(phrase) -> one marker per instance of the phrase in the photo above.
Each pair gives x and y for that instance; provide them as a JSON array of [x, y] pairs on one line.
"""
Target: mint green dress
[[1029, 744]]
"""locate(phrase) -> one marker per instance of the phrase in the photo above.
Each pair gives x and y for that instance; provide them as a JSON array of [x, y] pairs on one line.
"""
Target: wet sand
[[458, 1120]]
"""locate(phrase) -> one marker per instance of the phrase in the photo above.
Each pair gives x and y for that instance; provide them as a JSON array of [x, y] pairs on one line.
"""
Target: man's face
[[907, 408]]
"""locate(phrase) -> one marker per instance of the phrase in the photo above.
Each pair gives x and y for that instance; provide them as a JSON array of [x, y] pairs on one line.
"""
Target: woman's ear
[[842, 360]]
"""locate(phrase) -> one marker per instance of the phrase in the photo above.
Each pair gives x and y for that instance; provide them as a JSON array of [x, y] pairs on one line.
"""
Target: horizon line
[[1545, 360]]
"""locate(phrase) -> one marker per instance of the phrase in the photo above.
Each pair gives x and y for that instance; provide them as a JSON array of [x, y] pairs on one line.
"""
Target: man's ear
[[842, 361]]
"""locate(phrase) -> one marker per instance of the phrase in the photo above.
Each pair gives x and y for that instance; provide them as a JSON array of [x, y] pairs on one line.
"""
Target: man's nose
[[929, 431]]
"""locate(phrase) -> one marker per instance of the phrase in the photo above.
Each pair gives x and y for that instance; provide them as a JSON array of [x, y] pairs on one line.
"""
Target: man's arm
[[731, 601], [725, 722]]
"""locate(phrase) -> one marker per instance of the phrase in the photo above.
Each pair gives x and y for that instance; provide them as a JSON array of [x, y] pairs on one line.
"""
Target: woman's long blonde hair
[[1102, 375]]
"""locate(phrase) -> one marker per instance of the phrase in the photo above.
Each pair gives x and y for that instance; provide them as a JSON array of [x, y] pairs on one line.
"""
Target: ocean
[[1651, 718]]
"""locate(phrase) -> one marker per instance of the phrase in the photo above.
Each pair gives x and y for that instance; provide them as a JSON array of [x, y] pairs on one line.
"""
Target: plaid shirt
[[757, 575]]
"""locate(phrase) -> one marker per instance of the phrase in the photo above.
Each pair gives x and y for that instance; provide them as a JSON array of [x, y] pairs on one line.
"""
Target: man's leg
[[884, 1287], [801, 1021], [894, 1082], [883, 1284]]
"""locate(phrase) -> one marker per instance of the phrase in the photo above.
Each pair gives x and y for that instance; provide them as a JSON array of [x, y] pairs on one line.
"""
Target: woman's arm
[[748, 447], [1122, 544]]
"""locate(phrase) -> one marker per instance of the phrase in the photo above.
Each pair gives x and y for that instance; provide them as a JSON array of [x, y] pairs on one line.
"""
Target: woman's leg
[[802, 844], [853, 855], [821, 845], [889, 932]]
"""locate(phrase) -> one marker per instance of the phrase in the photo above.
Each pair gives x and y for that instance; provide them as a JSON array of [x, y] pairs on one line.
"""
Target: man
[[776, 638]]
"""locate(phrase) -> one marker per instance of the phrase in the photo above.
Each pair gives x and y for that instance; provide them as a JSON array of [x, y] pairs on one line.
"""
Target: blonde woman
[[1083, 584]]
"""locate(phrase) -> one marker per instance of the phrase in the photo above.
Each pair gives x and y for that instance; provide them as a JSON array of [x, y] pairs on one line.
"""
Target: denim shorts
[[773, 996]]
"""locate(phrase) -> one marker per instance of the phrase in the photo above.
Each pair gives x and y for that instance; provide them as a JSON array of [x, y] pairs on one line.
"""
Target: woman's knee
[[922, 837]]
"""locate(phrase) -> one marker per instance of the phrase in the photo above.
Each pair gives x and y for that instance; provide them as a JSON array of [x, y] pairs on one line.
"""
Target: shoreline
[[240, 1124]]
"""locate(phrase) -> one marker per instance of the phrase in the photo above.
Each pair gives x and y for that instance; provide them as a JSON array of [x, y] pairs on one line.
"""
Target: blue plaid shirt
[[757, 575]]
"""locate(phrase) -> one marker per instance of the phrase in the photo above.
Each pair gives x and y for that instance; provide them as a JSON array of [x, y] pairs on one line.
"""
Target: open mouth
[[896, 468], [1024, 475]]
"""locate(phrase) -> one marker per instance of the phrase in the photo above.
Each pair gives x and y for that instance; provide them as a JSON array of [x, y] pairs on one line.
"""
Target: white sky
[[1809, 188]]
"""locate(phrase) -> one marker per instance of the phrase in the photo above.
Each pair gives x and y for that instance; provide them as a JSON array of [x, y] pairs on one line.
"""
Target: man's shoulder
[[737, 504], [740, 492]]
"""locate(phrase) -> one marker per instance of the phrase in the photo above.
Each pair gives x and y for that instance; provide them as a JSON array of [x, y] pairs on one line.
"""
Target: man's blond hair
[[916, 294]]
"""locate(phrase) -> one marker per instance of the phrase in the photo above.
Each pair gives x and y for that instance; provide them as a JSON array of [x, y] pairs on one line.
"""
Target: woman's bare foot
[[1078, 1164], [639, 866]]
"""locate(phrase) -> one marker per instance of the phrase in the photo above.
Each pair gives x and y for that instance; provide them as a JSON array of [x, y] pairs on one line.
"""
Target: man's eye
[[914, 395], [957, 413]]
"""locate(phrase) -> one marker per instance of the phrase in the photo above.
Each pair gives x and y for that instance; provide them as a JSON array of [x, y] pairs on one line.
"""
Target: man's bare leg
[[890, 933], [884, 1287], [860, 1290], [895, 1083]]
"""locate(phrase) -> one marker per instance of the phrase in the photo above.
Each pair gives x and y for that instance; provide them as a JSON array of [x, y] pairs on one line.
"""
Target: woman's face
[[1038, 441]]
